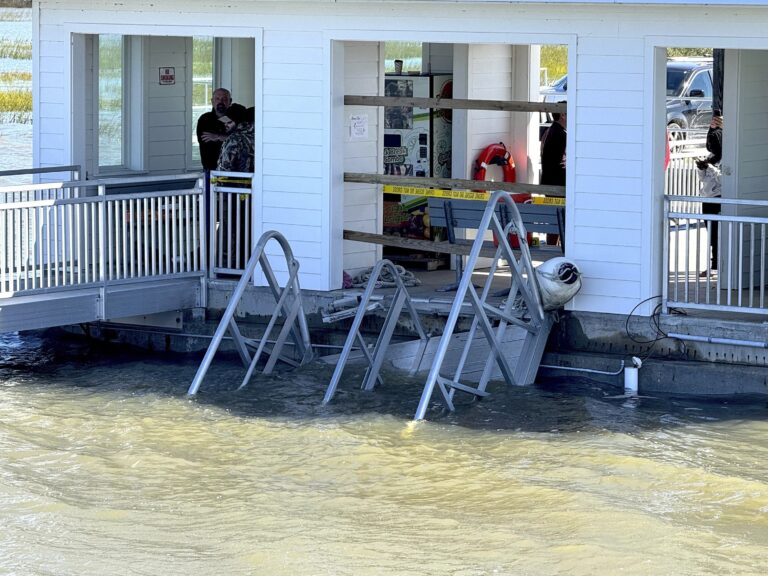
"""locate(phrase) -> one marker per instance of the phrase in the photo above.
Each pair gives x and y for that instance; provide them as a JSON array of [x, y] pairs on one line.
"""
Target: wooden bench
[[542, 218], [538, 218]]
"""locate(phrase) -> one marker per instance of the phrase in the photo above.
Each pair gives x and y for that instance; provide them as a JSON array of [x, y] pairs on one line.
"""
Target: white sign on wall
[[167, 76], [358, 126]]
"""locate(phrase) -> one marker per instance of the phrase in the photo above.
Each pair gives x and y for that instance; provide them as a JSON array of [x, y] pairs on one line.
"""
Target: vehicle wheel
[[675, 132]]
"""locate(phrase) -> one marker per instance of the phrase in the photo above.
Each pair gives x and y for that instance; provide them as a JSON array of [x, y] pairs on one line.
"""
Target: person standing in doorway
[[210, 136], [709, 175], [237, 151], [553, 158], [210, 132], [237, 156]]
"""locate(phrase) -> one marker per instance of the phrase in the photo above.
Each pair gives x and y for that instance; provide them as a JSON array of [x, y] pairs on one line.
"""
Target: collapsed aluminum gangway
[[506, 337], [288, 306]]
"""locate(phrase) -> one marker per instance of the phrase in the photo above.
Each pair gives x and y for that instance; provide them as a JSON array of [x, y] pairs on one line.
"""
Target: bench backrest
[[544, 218]]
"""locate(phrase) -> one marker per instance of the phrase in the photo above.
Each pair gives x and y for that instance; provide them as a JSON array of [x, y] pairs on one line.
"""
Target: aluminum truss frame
[[288, 306], [400, 299], [522, 308]]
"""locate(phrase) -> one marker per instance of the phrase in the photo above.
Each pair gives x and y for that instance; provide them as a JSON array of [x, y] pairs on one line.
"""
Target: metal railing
[[681, 177], [231, 228], [21, 191], [84, 236], [715, 261]]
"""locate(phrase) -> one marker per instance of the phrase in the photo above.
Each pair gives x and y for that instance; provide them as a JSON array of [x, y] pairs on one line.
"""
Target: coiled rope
[[386, 280]]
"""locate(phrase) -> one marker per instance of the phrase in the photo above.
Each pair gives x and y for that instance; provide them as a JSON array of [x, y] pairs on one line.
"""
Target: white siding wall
[[750, 176], [438, 58], [363, 67], [294, 199], [613, 211], [752, 123], [490, 78], [605, 195], [168, 129], [53, 100]]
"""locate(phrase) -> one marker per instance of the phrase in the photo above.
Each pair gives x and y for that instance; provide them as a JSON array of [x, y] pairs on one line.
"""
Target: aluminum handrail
[[288, 305]]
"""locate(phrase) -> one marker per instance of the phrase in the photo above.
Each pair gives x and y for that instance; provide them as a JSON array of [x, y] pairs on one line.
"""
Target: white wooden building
[[295, 61]]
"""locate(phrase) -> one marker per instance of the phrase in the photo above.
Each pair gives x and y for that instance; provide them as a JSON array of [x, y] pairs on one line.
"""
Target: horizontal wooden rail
[[454, 184], [456, 103], [461, 247]]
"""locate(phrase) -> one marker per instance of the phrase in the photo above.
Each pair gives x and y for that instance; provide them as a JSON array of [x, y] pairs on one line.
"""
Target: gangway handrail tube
[[75, 168], [100, 182], [134, 180], [692, 278], [227, 322], [98, 199], [72, 259], [715, 200]]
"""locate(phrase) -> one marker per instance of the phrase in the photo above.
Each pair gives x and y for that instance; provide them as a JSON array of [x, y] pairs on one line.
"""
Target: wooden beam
[[454, 184], [415, 244], [456, 103]]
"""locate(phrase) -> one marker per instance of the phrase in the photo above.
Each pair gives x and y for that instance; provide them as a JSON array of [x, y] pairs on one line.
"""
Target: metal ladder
[[400, 299], [522, 308], [288, 306]]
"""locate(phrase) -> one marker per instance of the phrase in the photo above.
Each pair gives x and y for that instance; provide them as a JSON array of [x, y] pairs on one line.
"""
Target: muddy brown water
[[106, 467]]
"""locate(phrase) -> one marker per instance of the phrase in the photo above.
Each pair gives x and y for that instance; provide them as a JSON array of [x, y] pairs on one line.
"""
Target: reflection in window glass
[[408, 52], [202, 86], [702, 82], [110, 100]]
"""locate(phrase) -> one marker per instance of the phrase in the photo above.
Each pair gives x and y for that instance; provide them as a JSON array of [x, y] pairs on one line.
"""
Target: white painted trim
[[732, 126], [736, 42], [332, 221], [36, 83], [257, 184], [188, 95], [76, 63], [158, 29], [450, 36], [135, 95]]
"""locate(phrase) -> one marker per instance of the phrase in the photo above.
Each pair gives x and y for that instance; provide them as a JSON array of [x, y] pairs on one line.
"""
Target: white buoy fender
[[559, 281]]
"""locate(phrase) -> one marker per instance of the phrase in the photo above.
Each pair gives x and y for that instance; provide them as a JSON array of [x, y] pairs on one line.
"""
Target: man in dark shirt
[[210, 132], [553, 159], [553, 152]]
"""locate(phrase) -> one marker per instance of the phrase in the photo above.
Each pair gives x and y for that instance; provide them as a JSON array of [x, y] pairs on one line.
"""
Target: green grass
[[554, 57], [16, 76], [402, 50], [16, 101], [689, 52], [202, 55], [15, 3]]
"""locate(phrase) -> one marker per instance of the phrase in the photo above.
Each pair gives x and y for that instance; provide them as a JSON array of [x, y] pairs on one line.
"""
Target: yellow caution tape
[[548, 200], [461, 194], [436, 192], [230, 180]]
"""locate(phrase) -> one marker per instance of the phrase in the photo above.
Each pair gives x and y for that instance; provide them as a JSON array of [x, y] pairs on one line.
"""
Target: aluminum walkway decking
[[83, 251]]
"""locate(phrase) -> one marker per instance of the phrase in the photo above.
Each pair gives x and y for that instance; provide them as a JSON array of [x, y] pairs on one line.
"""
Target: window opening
[[202, 85], [111, 116]]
